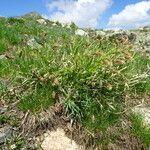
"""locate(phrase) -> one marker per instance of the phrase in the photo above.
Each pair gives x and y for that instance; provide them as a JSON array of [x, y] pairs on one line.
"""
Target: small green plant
[[3, 47], [17, 142], [4, 119], [139, 129], [2, 88], [12, 20], [37, 99]]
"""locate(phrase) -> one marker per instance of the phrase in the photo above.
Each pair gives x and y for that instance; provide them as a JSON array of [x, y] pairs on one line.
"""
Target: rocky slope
[[72, 84]]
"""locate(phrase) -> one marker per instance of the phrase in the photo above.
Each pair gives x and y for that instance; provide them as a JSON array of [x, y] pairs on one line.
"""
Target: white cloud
[[84, 13], [133, 15]]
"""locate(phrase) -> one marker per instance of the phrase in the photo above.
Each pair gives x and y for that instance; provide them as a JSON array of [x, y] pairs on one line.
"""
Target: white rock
[[2, 57], [81, 32], [144, 112], [42, 21], [13, 146], [63, 24], [67, 25], [54, 24], [101, 33], [57, 140], [33, 44]]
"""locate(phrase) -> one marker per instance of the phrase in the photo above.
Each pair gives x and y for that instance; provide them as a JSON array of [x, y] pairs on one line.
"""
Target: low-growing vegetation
[[139, 129], [88, 77]]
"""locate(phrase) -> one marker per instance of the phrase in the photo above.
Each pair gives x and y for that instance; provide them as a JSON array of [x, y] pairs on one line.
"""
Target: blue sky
[[85, 13]]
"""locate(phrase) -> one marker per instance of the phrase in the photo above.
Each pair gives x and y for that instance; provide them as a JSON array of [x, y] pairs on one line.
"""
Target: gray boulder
[[33, 44], [123, 36], [5, 133]]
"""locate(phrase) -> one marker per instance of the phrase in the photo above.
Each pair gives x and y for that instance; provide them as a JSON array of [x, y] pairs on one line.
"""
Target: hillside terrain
[[60, 83]]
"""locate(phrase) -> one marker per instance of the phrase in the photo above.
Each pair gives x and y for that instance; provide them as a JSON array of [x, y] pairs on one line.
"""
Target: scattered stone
[[67, 25], [2, 110], [132, 37], [146, 27], [33, 44], [2, 57], [5, 133], [13, 146], [100, 33], [142, 43], [42, 21], [57, 140], [81, 32], [54, 24]]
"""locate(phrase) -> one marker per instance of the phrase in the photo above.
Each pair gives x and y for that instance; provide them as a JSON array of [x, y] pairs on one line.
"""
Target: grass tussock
[[88, 77]]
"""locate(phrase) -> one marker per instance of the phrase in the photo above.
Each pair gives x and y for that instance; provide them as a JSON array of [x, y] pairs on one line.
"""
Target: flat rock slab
[[57, 140]]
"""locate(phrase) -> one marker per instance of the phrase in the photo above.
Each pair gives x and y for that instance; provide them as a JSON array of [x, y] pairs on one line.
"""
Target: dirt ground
[[55, 131]]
